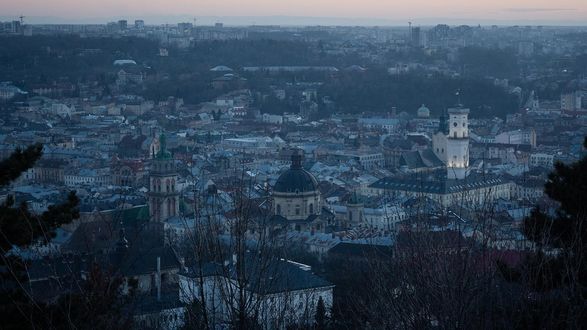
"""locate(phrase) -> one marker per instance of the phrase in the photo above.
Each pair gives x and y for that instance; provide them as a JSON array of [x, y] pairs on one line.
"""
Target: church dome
[[296, 179], [423, 112]]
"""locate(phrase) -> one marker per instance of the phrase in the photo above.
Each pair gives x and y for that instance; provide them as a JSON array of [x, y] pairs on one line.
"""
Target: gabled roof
[[266, 276], [420, 159]]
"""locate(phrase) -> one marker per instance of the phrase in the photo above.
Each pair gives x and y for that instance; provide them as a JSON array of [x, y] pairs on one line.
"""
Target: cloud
[[536, 10]]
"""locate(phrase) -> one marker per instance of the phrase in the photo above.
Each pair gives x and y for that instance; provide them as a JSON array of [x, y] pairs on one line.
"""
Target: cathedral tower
[[163, 195]]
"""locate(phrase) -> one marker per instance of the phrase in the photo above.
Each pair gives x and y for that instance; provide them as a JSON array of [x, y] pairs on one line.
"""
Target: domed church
[[296, 199]]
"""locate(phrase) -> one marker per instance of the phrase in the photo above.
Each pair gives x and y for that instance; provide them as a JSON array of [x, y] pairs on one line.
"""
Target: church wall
[[285, 205], [439, 146]]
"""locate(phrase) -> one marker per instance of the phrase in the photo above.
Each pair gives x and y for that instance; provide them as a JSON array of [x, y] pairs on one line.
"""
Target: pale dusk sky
[[573, 11]]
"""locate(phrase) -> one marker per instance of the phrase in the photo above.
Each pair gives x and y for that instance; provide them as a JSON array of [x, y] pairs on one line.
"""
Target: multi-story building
[[541, 160]]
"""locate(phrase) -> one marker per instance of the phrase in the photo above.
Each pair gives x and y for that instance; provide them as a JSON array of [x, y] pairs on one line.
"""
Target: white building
[[75, 178], [571, 101], [388, 124], [541, 160], [526, 136], [256, 145]]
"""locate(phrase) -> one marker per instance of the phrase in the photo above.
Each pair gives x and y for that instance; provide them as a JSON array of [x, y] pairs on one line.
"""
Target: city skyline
[[326, 12]]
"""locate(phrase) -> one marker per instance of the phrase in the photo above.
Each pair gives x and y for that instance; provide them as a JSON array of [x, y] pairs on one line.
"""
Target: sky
[[559, 12]]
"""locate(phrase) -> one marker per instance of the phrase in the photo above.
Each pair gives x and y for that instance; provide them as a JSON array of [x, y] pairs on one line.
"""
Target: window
[[297, 210], [311, 208], [278, 209], [455, 124]]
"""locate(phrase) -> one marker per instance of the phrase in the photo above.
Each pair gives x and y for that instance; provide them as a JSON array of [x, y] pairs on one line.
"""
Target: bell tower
[[163, 195], [355, 209], [457, 155]]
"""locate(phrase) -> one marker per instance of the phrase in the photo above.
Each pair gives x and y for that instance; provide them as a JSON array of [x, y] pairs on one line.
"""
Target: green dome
[[423, 112]]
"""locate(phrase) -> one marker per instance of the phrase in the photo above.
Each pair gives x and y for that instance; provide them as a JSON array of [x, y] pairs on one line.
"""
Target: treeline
[[492, 62], [377, 91], [39, 59]]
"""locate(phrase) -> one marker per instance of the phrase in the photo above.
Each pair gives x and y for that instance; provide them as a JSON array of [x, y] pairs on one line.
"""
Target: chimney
[[158, 279]]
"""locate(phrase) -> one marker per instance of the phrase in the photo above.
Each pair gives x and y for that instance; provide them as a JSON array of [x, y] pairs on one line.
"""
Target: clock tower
[[457, 144]]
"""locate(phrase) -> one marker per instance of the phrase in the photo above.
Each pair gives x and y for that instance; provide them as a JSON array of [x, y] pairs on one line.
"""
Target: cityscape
[[222, 176]]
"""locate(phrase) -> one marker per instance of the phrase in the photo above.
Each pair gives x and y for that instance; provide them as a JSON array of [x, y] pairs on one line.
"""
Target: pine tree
[[555, 274], [320, 322], [567, 229], [19, 227], [19, 162]]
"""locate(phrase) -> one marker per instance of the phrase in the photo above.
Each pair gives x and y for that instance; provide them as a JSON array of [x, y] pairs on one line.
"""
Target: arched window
[[167, 185], [297, 210], [278, 209], [311, 208]]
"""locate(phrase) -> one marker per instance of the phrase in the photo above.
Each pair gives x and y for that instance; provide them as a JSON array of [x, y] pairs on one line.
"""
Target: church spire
[[163, 153]]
